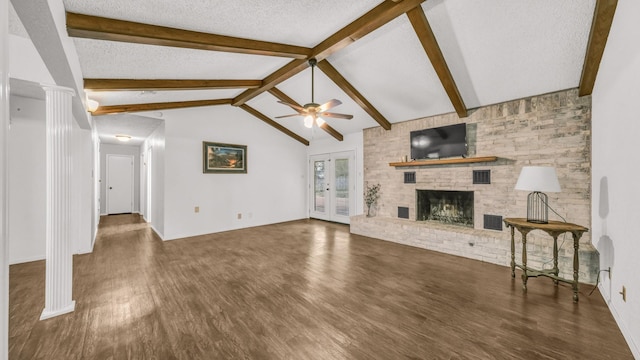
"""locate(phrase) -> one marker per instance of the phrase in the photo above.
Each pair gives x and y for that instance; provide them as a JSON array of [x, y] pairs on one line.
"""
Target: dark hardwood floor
[[299, 290]]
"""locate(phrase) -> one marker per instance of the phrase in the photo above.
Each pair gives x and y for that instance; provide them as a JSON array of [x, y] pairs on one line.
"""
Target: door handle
[[110, 188]]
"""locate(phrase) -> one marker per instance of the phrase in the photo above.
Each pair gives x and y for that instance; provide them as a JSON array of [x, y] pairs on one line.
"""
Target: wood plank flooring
[[299, 290]]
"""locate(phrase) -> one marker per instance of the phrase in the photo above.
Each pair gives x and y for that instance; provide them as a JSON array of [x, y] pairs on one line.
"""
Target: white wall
[[154, 152], [615, 172], [95, 177], [82, 185], [106, 149], [27, 180], [273, 190], [4, 166], [350, 142], [25, 63]]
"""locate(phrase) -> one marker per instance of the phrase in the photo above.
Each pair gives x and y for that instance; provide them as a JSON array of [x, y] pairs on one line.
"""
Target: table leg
[[513, 254], [524, 261], [576, 266], [555, 258]]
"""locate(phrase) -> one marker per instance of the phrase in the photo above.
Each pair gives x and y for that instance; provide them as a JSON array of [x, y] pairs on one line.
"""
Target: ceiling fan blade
[[293, 106], [328, 105], [286, 116], [336, 115]]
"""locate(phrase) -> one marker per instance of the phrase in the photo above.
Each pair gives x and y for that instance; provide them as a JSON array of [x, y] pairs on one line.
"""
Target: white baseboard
[[26, 259], [46, 314], [157, 233], [622, 326]]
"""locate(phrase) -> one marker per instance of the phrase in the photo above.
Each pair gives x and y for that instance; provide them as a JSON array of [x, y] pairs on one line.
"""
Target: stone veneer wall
[[549, 130]]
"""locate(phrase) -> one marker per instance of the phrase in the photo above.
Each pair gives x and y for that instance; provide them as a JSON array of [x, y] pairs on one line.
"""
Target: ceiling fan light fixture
[[308, 121], [310, 111], [123, 138]]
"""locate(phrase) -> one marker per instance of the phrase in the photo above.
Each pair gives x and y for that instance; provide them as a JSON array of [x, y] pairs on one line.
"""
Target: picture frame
[[223, 158]]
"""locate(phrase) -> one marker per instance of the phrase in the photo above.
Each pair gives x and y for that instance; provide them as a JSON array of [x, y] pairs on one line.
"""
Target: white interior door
[[332, 186], [119, 184]]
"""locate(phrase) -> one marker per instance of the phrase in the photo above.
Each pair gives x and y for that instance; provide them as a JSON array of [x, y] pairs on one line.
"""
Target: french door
[[332, 186]]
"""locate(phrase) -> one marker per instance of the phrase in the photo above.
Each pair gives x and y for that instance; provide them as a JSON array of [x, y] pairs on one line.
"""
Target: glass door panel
[[319, 174], [341, 185]]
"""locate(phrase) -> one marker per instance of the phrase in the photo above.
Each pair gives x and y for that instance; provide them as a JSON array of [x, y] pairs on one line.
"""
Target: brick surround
[[551, 129]]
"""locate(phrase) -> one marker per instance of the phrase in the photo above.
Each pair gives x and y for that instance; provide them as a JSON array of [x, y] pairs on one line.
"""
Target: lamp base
[[537, 209]]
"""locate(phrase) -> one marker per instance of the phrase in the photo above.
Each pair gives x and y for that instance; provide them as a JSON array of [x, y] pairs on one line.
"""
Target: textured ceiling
[[496, 50]]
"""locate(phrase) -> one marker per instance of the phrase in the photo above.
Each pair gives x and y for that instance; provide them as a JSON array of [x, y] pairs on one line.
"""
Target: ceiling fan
[[312, 112]]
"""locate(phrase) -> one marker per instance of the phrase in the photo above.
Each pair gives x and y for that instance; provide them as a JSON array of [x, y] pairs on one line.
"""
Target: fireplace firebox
[[449, 207]]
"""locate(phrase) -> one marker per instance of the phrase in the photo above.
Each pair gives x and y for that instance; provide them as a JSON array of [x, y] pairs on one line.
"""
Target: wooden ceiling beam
[[266, 119], [362, 26], [100, 28], [166, 84], [422, 28], [353, 93], [366, 24], [600, 27], [326, 127], [114, 109], [292, 68]]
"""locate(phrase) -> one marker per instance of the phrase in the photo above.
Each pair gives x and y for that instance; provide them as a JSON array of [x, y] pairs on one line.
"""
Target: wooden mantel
[[444, 161]]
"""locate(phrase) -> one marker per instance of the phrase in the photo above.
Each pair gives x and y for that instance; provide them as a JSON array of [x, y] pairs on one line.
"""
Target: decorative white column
[[59, 261]]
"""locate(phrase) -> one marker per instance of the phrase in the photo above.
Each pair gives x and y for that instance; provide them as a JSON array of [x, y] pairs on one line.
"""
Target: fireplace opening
[[449, 207]]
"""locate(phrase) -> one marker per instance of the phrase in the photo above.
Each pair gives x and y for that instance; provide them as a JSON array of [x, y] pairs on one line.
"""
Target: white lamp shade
[[308, 121], [538, 178]]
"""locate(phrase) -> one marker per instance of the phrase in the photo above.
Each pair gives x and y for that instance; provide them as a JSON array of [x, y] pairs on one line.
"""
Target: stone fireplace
[[551, 129], [445, 206]]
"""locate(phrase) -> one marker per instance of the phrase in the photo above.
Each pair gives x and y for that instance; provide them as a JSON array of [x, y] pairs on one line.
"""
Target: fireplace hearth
[[448, 207]]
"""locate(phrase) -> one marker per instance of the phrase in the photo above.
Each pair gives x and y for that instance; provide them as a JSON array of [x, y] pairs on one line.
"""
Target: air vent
[[410, 177], [482, 176], [403, 212], [493, 222]]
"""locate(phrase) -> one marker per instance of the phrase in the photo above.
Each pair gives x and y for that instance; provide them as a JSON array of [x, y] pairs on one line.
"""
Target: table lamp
[[538, 179]]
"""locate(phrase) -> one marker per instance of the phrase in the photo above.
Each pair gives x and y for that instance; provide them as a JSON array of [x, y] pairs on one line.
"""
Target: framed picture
[[224, 158]]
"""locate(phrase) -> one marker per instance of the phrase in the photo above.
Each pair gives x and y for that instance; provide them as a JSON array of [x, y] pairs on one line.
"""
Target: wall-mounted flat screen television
[[440, 142]]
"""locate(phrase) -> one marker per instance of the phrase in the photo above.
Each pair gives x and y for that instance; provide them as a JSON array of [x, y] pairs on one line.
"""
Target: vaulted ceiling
[[387, 61]]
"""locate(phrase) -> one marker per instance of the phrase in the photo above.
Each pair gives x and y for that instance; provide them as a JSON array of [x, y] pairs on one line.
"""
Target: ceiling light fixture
[[312, 111], [123, 138], [92, 105]]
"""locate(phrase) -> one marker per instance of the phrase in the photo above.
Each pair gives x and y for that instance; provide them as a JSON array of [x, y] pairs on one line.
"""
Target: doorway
[[119, 184], [332, 187]]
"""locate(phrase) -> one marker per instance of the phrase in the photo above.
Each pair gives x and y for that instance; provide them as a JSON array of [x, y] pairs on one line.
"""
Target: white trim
[[133, 168], [157, 232], [49, 314], [28, 259], [626, 333]]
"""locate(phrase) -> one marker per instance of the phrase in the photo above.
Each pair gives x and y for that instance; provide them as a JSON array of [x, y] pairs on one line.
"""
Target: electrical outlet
[[239, 216], [624, 294], [196, 209]]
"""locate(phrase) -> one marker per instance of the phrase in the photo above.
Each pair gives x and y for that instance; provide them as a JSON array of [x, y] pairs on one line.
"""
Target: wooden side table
[[553, 228]]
